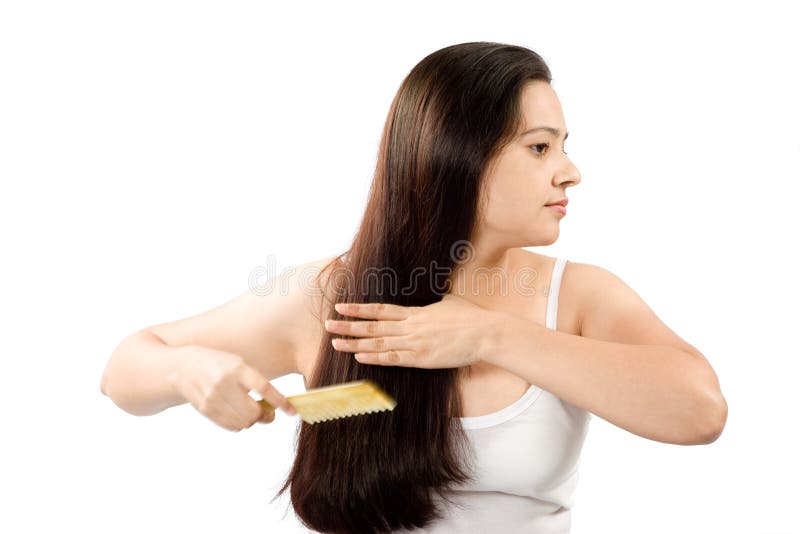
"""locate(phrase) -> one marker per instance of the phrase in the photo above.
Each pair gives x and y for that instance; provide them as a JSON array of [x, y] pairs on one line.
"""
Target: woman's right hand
[[217, 384]]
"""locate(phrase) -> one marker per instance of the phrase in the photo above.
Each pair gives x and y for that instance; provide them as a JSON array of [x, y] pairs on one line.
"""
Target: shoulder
[[540, 264], [311, 281], [587, 283], [267, 325], [611, 310], [542, 267], [582, 287]]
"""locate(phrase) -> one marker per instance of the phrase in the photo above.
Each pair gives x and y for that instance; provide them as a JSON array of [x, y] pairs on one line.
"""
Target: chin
[[542, 240]]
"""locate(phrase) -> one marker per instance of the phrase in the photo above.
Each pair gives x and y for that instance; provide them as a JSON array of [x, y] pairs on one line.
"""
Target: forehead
[[540, 106]]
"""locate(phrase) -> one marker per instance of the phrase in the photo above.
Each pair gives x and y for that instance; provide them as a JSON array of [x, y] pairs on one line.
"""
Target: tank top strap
[[551, 316]]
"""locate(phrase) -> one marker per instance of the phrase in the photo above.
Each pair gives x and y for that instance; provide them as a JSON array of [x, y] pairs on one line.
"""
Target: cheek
[[516, 193], [512, 204]]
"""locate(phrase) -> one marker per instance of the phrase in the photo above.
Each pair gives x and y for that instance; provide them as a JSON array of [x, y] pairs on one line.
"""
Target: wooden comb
[[339, 400]]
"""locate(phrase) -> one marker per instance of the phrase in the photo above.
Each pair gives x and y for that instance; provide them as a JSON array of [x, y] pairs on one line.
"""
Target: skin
[[633, 371], [533, 170]]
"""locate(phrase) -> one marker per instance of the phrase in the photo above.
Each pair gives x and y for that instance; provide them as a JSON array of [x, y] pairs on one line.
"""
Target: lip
[[559, 208], [562, 202]]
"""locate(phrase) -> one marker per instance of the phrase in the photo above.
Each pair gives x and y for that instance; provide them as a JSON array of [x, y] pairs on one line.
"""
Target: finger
[[220, 414], [248, 411], [233, 418], [267, 415], [237, 407], [251, 379], [371, 344], [398, 358], [366, 328], [265, 411], [374, 310]]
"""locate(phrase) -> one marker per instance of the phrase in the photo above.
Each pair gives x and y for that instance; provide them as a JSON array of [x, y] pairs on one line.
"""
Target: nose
[[569, 174]]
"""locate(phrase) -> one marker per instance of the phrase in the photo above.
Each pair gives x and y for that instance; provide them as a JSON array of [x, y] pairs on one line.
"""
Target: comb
[[339, 400]]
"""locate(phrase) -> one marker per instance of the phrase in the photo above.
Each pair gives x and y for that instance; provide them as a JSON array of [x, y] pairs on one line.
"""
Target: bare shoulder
[[318, 296], [310, 282], [591, 285], [267, 325], [586, 283], [611, 310], [569, 297]]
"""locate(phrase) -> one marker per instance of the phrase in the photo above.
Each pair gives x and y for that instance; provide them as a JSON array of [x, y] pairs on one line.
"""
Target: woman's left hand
[[448, 333]]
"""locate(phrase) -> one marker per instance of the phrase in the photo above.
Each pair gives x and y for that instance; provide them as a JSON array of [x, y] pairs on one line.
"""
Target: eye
[[539, 145], [546, 145]]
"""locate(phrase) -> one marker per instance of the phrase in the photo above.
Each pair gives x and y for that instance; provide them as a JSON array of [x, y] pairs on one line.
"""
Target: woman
[[496, 355]]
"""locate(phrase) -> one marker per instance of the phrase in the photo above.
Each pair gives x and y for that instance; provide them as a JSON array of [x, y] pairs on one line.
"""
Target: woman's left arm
[[627, 366]]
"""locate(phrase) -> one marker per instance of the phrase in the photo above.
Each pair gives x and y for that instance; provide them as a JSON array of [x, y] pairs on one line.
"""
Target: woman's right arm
[[138, 375], [251, 339]]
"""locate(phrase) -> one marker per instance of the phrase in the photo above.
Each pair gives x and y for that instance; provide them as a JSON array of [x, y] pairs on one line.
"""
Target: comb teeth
[[340, 400]]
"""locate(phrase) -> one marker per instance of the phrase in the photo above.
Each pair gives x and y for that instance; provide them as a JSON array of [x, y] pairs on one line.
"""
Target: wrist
[[174, 366], [492, 336]]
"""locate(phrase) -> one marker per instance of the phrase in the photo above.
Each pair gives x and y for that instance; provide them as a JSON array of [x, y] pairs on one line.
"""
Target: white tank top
[[526, 461]]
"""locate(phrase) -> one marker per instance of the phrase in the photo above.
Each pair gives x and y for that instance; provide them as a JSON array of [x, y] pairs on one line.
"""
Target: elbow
[[712, 409], [104, 379], [714, 421]]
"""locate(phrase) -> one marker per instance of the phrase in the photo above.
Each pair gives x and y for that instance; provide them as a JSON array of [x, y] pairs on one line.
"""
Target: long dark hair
[[451, 116]]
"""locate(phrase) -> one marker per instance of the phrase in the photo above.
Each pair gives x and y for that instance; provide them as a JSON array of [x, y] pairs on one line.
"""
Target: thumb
[[253, 380], [268, 416]]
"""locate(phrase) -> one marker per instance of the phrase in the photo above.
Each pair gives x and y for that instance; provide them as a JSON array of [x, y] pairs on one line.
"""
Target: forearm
[[654, 391], [137, 375]]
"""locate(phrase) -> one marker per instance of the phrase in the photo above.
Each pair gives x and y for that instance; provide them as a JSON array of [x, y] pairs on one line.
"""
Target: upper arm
[[264, 326], [612, 311]]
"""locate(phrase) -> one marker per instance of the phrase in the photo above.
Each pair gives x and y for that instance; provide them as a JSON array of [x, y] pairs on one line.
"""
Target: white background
[[154, 153]]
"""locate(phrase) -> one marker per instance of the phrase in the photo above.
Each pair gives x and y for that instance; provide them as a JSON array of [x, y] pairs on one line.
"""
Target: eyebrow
[[554, 131]]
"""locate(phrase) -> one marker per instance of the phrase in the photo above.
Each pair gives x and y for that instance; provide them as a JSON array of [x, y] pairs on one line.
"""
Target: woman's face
[[531, 171]]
